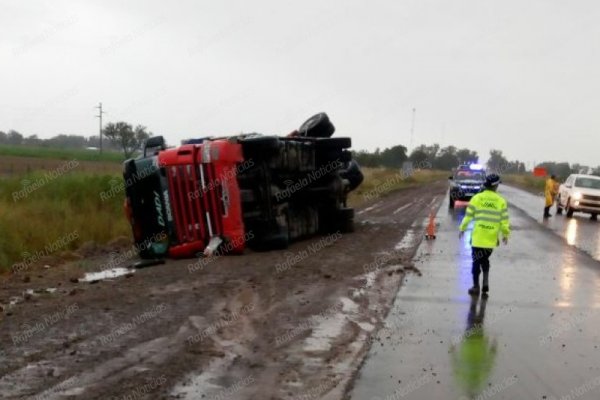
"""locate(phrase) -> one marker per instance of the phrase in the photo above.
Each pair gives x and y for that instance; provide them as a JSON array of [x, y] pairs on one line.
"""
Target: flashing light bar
[[476, 167]]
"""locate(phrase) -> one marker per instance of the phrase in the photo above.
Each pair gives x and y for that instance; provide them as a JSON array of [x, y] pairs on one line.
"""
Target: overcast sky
[[520, 76]]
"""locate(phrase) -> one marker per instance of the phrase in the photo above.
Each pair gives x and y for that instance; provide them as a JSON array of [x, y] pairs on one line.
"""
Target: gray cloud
[[518, 76]]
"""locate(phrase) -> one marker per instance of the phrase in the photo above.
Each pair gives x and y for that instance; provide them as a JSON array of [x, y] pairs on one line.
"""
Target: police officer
[[489, 211]]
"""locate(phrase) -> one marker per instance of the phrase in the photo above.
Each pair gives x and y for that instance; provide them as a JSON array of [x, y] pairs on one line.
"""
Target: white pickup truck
[[579, 193]]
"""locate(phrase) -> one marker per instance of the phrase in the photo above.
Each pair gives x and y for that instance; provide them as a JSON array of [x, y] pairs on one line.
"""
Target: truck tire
[[146, 254], [346, 220], [153, 143], [277, 241], [353, 174], [451, 202], [328, 156], [569, 210], [264, 146], [346, 156], [334, 143], [341, 220], [277, 237], [318, 125]]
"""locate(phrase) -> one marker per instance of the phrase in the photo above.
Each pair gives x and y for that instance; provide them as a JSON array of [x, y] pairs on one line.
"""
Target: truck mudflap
[[204, 198]]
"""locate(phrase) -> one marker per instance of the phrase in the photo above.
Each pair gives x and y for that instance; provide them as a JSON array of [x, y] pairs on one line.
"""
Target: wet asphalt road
[[537, 336], [578, 231]]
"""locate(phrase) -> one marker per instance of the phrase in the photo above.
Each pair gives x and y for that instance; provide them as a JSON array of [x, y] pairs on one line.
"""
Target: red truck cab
[[204, 196]]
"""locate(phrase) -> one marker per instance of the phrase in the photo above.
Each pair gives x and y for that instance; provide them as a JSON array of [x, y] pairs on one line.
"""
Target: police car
[[466, 182]]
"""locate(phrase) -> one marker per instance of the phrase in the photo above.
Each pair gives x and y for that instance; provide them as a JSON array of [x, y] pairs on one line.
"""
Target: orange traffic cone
[[430, 232]]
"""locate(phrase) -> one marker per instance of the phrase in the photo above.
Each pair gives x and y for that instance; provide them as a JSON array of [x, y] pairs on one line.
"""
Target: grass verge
[[382, 181], [530, 183], [50, 216]]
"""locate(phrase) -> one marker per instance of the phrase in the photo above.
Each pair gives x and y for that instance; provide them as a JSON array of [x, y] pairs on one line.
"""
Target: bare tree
[[129, 139]]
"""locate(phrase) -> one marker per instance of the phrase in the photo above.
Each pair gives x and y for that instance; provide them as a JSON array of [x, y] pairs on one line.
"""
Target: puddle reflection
[[474, 356], [571, 233], [596, 293], [565, 281], [106, 274]]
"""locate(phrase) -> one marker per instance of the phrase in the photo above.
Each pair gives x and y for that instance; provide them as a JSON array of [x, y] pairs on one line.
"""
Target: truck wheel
[[353, 174], [346, 156], [260, 145], [569, 210], [153, 143], [559, 210], [451, 202], [146, 254], [342, 156], [334, 143], [346, 220], [277, 241], [341, 220], [318, 125]]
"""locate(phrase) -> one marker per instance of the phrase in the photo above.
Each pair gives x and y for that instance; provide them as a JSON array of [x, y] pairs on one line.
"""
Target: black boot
[[474, 291], [485, 287], [547, 212]]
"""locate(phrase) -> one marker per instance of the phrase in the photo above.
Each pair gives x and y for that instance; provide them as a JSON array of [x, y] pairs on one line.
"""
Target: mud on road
[[288, 324]]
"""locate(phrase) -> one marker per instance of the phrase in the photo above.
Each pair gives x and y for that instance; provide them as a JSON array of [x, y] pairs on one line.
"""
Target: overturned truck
[[220, 195]]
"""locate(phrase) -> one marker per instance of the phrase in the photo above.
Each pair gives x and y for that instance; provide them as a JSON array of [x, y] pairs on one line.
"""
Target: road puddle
[[324, 331], [204, 384], [407, 241], [28, 294], [106, 274]]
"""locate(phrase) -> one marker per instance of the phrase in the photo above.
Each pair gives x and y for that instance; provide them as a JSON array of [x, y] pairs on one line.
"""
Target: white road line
[[369, 208], [402, 208]]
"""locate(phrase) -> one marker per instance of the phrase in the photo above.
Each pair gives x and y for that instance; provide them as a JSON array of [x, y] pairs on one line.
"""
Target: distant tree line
[[15, 138], [498, 163], [119, 136], [444, 158], [123, 137], [447, 158]]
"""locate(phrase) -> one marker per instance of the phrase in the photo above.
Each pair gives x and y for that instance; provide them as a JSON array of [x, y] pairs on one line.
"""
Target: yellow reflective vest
[[489, 211]]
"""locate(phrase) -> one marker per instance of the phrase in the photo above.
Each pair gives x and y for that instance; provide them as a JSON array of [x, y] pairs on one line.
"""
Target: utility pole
[[99, 116], [412, 127]]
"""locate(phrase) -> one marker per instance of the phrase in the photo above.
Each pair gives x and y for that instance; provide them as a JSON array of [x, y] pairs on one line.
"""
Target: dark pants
[[481, 262]]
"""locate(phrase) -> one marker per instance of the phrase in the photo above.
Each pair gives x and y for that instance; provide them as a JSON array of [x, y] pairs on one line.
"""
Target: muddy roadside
[[275, 325]]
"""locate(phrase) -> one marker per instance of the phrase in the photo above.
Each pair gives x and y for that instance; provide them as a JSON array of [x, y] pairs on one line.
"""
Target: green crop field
[[19, 160], [60, 154]]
